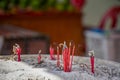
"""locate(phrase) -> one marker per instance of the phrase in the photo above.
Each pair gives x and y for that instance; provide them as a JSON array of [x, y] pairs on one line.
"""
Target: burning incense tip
[[70, 44], [39, 51], [91, 53]]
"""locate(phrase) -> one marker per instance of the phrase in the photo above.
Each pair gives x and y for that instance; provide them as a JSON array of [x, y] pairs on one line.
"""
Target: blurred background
[[48, 21]]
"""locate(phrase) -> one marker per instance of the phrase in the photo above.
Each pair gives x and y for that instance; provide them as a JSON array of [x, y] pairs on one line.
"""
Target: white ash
[[29, 69]]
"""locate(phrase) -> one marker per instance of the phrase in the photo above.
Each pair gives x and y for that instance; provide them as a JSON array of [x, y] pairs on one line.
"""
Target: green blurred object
[[51, 3], [61, 5], [3, 4], [35, 4], [24, 4], [43, 4], [70, 8], [38, 4], [14, 2], [13, 6]]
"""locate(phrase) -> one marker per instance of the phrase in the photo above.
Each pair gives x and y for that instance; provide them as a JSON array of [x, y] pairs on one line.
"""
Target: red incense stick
[[91, 54], [69, 52], [52, 53], [67, 60], [58, 59], [39, 59], [18, 52], [73, 51], [64, 63], [39, 56], [92, 64]]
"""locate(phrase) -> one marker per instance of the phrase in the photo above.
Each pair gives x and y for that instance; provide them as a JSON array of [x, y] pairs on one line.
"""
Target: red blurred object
[[78, 3], [52, 57], [66, 58], [92, 64], [58, 57], [73, 51], [39, 59], [113, 14], [19, 53]]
